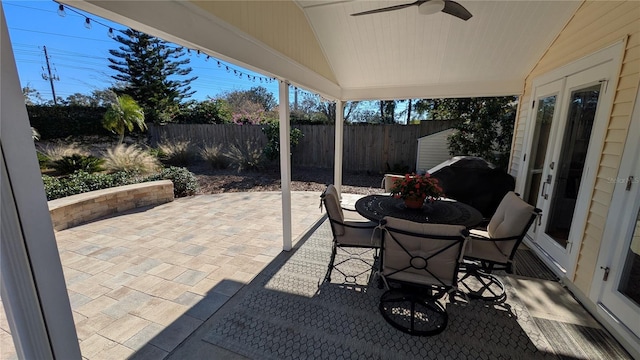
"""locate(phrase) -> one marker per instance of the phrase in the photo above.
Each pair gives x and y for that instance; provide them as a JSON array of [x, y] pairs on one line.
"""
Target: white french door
[[618, 272], [570, 115], [547, 98]]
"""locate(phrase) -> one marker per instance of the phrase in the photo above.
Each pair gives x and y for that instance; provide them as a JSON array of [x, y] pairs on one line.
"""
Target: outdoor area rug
[[288, 312]]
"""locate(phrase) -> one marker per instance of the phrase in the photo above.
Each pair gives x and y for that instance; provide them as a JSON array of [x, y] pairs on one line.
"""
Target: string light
[[88, 22]]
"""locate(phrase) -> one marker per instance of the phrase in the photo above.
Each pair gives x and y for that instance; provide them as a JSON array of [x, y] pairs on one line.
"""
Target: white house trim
[[37, 300], [285, 165], [339, 145]]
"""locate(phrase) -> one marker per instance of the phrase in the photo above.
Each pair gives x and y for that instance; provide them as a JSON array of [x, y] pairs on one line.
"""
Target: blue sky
[[79, 55]]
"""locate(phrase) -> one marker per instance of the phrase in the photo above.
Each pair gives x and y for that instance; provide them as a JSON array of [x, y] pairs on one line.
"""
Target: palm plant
[[124, 115]]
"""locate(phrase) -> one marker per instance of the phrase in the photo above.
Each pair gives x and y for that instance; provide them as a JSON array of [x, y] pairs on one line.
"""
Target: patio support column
[[285, 164], [32, 284], [339, 142]]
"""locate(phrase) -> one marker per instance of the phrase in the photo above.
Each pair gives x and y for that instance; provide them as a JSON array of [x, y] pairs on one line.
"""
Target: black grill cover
[[475, 182]]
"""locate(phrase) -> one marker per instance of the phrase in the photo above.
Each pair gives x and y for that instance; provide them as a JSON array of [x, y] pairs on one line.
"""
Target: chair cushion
[[486, 250], [334, 211], [358, 233], [511, 219], [442, 265]]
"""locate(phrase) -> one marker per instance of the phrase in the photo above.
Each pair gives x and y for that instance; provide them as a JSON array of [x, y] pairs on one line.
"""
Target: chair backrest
[[511, 220], [426, 254], [388, 181], [331, 202]]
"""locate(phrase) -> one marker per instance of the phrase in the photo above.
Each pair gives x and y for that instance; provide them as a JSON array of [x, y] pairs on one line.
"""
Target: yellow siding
[[262, 20], [604, 185], [627, 82], [596, 25], [607, 173], [519, 130], [612, 148], [619, 122]]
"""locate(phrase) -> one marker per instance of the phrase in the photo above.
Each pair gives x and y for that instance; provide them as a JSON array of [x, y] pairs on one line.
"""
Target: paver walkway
[[141, 282]]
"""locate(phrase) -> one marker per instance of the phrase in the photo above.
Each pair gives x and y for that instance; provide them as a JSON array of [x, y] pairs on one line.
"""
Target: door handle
[[544, 187]]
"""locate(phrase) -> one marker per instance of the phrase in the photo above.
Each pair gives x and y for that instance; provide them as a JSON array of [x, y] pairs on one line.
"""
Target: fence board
[[373, 148]]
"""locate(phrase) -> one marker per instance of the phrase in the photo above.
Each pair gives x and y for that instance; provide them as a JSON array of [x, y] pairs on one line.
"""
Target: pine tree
[[149, 71]]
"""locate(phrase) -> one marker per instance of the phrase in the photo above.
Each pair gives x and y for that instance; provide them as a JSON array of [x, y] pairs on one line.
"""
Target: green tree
[[272, 131], [312, 109], [32, 96], [149, 71], [485, 127], [124, 114], [256, 95], [388, 111], [209, 111]]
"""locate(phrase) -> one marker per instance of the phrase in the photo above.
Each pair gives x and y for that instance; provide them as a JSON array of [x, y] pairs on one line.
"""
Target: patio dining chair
[[353, 234], [495, 248], [419, 265]]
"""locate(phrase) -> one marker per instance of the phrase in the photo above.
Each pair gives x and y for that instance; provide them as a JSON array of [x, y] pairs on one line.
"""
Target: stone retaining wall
[[76, 209]]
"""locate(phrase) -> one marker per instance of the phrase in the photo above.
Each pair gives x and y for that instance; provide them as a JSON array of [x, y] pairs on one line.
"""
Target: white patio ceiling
[[317, 45]]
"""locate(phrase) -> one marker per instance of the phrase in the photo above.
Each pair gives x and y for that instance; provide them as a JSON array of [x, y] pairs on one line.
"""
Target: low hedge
[[184, 182]]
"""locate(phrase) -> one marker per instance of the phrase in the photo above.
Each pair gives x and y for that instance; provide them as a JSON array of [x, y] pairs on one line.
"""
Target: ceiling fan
[[427, 7]]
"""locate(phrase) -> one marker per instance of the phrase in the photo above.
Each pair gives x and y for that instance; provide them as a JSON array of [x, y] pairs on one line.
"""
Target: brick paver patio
[[145, 279]]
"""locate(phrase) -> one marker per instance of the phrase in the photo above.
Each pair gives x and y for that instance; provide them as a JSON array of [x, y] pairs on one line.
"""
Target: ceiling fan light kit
[[431, 7]]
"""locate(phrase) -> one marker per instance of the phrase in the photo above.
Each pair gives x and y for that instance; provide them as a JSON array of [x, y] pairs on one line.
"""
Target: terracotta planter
[[414, 203]]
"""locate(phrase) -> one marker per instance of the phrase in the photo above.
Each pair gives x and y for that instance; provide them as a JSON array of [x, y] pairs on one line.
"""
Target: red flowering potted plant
[[414, 189]]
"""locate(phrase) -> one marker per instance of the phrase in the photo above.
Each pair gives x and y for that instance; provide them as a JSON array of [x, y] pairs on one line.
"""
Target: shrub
[[247, 157], [81, 182], [184, 182], [272, 131], [57, 151], [214, 156], [176, 153], [43, 160], [210, 111], [76, 162], [130, 159]]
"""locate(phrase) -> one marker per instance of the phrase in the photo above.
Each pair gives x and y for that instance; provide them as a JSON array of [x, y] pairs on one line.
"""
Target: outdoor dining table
[[441, 211]]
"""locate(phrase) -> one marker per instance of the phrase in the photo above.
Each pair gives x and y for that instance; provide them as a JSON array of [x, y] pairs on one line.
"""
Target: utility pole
[[295, 99], [50, 77]]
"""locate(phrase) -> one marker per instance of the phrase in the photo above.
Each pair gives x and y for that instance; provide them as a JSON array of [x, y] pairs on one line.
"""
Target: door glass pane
[[582, 112], [630, 281], [544, 116]]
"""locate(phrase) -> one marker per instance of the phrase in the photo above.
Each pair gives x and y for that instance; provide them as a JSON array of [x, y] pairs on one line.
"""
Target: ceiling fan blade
[[457, 10], [390, 8]]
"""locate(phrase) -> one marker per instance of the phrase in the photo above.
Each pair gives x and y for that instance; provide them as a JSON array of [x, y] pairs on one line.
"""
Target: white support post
[[285, 165], [339, 144], [33, 288]]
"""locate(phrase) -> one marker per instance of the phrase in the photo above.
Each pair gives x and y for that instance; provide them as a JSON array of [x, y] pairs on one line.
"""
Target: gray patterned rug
[[287, 312]]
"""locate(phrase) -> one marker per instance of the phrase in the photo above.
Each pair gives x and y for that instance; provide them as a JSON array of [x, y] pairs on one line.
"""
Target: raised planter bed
[[77, 209]]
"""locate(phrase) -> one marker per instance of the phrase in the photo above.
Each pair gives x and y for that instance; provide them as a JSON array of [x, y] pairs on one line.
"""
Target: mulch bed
[[214, 181]]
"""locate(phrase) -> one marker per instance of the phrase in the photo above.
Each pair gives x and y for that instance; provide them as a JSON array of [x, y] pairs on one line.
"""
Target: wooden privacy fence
[[369, 147]]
